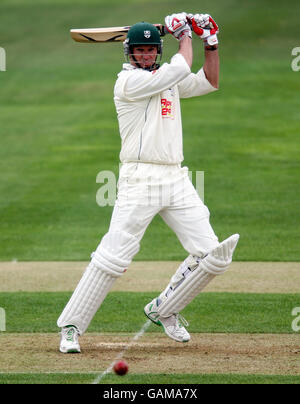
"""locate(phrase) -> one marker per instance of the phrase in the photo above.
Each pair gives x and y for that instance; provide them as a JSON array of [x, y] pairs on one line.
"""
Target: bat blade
[[102, 35]]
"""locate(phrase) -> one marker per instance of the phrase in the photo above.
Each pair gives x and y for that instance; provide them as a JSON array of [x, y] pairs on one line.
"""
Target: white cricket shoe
[[173, 325], [69, 340]]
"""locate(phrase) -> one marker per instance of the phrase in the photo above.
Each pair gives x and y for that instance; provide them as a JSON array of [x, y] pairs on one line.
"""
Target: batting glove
[[178, 26], [204, 26]]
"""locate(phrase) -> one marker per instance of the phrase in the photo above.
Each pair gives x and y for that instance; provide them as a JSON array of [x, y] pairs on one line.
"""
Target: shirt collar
[[128, 66]]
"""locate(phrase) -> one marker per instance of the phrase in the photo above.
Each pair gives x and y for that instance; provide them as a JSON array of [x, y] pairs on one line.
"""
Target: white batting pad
[[193, 275], [86, 299], [115, 252], [109, 261]]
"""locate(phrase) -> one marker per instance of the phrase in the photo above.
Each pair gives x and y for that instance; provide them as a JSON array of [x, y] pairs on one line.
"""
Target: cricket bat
[[110, 34]]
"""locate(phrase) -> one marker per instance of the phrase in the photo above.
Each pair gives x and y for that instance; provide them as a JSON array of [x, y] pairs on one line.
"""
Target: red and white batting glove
[[178, 26], [204, 26]]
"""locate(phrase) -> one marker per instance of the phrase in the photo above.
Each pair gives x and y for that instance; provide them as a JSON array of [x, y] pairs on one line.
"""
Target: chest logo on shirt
[[167, 108]]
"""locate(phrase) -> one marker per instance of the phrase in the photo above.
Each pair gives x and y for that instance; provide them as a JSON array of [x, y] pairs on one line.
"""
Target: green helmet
[[142, 33]]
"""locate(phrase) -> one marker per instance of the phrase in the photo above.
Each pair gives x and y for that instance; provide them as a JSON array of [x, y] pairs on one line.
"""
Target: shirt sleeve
[[138, 83], [195, 84]]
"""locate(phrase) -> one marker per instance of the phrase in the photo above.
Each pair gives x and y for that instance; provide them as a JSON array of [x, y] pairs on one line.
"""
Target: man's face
[[145, 55]]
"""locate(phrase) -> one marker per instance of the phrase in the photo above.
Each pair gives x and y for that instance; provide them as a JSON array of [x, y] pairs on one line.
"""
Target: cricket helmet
[[142, 33]]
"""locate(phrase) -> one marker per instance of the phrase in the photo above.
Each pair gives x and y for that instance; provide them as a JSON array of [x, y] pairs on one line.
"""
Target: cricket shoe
[[173, 325], [69, 340]]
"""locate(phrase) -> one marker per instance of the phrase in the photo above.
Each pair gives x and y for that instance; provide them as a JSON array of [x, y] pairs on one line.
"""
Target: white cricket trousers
[[145, 190]]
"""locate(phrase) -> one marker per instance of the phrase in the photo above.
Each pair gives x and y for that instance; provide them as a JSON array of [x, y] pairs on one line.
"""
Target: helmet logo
[[147, 34]]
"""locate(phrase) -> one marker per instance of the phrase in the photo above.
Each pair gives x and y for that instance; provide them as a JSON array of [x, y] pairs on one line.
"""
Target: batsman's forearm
[[186, 49], [212, 67]]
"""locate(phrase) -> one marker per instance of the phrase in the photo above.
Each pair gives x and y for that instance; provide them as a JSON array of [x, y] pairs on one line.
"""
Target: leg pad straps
[[193, 275]]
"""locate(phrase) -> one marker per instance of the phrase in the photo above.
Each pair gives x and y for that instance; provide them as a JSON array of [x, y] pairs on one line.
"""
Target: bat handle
[[161, 29], [164, 30]]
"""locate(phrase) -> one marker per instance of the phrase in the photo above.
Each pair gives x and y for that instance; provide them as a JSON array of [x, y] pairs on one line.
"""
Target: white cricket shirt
[[148, 108]]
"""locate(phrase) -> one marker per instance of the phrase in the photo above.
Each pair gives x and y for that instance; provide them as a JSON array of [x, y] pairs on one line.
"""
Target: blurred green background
[[58, 127]]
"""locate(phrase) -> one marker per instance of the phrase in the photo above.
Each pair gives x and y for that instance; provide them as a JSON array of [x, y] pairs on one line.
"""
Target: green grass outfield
[[58, 128], [58, 378], [208, 312]]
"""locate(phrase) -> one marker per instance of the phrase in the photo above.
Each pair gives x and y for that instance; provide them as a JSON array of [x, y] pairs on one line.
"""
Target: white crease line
[[135, 338]]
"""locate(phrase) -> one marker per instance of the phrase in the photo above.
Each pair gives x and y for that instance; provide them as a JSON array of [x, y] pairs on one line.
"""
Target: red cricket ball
[[121, 368]]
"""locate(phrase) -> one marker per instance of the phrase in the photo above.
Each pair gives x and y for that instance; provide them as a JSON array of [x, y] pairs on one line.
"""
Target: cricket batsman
[[152, 180]]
